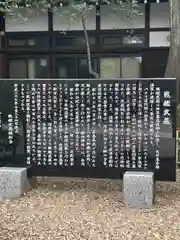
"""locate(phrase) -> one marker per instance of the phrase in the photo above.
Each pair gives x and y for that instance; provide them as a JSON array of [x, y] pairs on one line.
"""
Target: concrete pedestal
[[14, 182], [139, 189]]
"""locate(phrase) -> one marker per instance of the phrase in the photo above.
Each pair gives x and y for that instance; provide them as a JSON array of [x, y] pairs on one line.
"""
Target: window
[[23, 42], [114, 41], [83, 67], [159, 39], [110, 67], [159, 15], [120, 67], [138, 39], [66, 67], [113, 18], [33, 20], [17, 42], [74, 67], [17, 68], [131, 67], [28, 68], [64, 19], [71, 41]]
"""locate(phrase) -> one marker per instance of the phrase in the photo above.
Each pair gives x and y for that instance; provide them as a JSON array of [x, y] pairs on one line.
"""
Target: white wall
[[159, 39], [111, 19], [36, 21], [62, 20], [159, 15]]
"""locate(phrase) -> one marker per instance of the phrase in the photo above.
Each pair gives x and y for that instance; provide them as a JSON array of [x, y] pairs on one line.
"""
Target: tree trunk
[[173, 65], [93, 73]]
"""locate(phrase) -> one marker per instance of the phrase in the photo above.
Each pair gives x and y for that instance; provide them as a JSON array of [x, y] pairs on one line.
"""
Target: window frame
[[98, 57], [26, 58], [125, 55], [26, 36], [77, 59], [73, 34]]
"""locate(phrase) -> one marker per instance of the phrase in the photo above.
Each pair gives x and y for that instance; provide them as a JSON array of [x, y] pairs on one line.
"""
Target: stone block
[[139, 189], [14, 182]]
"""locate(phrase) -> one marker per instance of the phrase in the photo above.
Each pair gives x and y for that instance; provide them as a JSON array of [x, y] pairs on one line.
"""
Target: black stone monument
[[89, 128]]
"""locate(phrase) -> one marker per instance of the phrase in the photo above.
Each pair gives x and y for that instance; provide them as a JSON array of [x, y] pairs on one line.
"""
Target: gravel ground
[[89, 209]]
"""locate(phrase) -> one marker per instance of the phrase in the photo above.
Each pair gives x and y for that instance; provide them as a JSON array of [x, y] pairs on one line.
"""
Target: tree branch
[[93, 73]]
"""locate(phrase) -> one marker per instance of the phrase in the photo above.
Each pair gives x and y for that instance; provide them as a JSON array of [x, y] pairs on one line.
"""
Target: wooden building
[[45, 46]]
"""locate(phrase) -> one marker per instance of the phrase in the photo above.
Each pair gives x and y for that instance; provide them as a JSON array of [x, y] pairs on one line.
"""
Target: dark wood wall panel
[[154, 62]]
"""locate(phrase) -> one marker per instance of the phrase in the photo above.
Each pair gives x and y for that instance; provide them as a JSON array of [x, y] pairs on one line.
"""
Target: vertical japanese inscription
[[22, 97], [110, 126], [27, 124], [122, 125], [71, 126], [38, 117], [33, 124], [166, 108], [44, 124], [140, 125], [49, 125], [146, 128], [66, 123], [82, 124], [157, 127], [116, 125], [77, 119], [10, 128], [60, 125], [16, 108], [94, 102], [151, 113], [55, 125], [128, 126], [99, 106], [105, 126], [88, 125], [133, 126]]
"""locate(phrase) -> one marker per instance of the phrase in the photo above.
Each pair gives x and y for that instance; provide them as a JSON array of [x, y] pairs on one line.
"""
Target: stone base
[[139, 189], [14, 182]]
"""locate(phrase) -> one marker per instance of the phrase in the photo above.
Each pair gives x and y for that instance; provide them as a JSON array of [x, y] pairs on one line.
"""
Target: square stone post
[[139, 189], [14, 182]]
